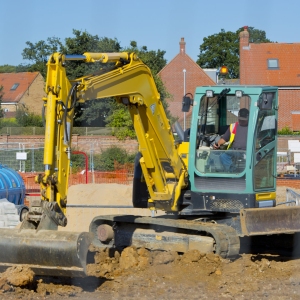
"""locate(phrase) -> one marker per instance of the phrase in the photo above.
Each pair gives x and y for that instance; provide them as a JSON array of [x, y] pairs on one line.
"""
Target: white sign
[[296, 157], [21, 156], [294, 145]]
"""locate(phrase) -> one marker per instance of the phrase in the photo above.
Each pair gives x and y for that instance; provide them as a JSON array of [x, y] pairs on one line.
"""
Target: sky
[[157, 24]]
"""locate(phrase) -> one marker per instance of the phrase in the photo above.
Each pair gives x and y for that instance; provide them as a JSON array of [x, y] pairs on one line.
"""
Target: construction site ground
[[260, 272]]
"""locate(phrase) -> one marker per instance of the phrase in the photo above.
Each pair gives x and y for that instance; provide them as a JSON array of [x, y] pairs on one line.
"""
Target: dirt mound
[[138, 273], [104, 194], [86, 201], [13, 277]]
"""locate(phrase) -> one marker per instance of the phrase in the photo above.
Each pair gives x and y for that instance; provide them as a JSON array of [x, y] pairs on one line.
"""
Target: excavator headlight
[[239, 94], [209, 93]]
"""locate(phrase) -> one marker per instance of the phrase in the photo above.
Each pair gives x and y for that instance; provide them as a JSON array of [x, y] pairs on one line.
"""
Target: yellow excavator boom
[[131, 83]]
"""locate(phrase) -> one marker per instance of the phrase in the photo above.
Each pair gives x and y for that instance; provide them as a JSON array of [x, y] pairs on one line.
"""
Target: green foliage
[[95, 112], [17, 69], [38, 53], [153, 59], [11, 122], [120, 118], [84, 42], [77, 162], [121, 122], [107, 111], [223, 49], [287, 131], [25, 118], [256, 35], [34, 162], [7, 69], [110, 157]]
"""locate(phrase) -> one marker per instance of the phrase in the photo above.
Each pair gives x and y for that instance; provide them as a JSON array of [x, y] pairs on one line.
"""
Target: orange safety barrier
[[123, 176], [119, 176]]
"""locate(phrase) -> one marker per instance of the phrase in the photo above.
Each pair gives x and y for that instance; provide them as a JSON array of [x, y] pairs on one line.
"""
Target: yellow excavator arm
[[131, 83]]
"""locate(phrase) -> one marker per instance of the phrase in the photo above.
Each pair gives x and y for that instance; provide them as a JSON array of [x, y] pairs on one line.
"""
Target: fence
[[119, 176], [41, 130], [22, 157], [27, 158]]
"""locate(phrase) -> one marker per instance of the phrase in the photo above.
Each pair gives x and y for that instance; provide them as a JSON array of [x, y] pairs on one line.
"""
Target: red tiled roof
[[7, 80], [254, 58]]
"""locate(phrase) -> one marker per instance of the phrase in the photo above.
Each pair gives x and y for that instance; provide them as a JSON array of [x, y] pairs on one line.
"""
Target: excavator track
[[227, 242]]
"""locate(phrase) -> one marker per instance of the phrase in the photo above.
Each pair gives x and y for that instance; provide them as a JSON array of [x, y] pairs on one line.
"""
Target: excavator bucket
[[46, 252]]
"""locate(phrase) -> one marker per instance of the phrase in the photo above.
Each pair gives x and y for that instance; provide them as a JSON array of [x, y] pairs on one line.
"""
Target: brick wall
[[80, 143], [288, 103], [34, 95], [291, 183], [100, 143]]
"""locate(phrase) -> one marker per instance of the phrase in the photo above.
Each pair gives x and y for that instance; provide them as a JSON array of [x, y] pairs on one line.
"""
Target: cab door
[[265, 144]]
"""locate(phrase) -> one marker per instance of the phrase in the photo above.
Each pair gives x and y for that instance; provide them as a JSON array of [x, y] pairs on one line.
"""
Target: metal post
[[184, 72], [20, 167], [23, 161], [32, 159], [92, 162]]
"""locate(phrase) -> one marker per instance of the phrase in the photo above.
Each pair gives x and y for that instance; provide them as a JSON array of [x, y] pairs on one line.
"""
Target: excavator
[[207, 207]]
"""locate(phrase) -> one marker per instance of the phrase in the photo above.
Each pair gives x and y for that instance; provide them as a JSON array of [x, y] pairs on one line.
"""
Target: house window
[[14, 87], [273, 63]]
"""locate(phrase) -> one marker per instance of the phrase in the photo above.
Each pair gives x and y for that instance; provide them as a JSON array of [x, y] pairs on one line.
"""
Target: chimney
[[244, 54], [244, 37], [182, 46]]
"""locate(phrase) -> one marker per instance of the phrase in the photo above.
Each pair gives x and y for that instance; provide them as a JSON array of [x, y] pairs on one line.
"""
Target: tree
[[120, 119], [85, 42], [7, 69], [39, 52], [223, 49], [256, 35], [107, 111], [93, 112], [96, 112]]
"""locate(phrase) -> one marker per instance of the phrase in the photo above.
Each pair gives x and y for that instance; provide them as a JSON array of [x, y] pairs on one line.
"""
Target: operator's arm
[[224, 139], [219, 143]]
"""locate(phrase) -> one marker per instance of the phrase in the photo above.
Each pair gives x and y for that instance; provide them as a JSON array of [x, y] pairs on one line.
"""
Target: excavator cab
[[250, 180]]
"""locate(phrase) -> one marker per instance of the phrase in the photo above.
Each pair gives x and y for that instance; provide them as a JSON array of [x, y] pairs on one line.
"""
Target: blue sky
[[157, 24]]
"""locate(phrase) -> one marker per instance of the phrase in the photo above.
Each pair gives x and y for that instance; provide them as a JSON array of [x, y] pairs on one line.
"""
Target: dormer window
[[273, 64], [14, 87]]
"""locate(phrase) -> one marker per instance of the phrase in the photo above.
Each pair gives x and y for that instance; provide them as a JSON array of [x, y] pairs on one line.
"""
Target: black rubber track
[[226, 238]]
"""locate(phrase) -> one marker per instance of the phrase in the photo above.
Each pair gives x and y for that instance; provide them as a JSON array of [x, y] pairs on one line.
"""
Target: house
[[275, 64], [22, 90], [181, 76]]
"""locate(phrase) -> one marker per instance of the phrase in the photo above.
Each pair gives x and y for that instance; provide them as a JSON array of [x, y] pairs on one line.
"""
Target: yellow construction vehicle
[[208, 207]]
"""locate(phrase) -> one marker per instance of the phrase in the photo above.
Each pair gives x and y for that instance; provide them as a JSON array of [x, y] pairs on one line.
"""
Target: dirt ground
[[141, 274]]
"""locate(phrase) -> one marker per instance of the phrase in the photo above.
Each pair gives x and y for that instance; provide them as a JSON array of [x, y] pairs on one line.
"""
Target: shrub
[[111, 158], [287, 131]]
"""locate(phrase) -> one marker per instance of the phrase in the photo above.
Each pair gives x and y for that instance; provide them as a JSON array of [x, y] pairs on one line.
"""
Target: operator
[[236, 135]]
